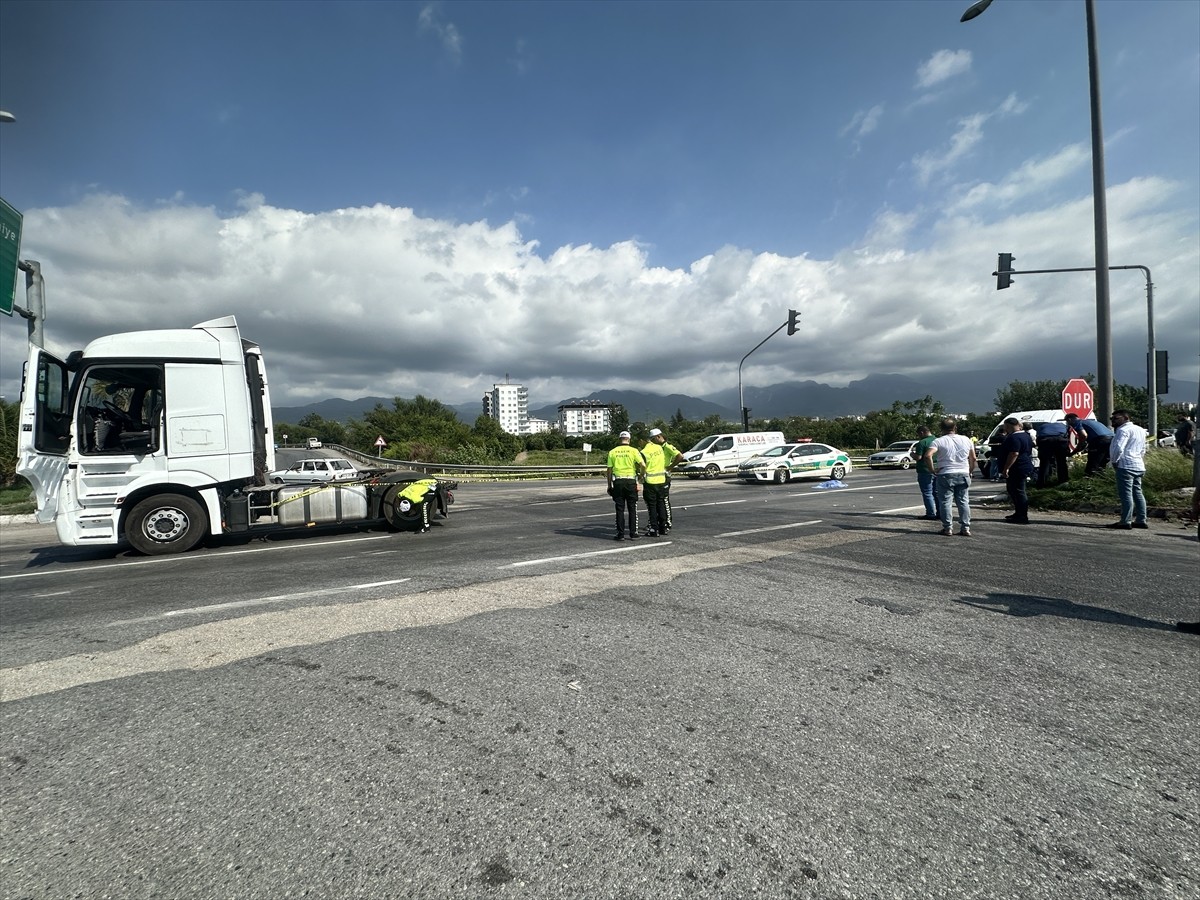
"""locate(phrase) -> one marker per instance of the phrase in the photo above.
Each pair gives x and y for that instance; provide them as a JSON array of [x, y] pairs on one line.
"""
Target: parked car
[[784, 462], [898, 454], [316, 471]]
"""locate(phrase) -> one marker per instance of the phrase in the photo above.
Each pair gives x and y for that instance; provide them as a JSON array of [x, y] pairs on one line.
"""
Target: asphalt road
[[799, 693]]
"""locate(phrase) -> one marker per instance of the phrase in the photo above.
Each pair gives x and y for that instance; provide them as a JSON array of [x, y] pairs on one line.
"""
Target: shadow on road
[[1027, 606]]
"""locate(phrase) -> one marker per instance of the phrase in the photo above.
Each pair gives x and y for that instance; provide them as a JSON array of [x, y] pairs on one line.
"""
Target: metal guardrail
[[469, 472], [487, 473]]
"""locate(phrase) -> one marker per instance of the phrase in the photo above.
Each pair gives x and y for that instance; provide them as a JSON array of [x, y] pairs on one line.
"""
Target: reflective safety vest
[[658, 457], [624, 460], [417, 490]]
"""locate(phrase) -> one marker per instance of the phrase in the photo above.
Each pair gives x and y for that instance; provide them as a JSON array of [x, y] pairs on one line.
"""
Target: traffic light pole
[[791, 325], [1151, 363]]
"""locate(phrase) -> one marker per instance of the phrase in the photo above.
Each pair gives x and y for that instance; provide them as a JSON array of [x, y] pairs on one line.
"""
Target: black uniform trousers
[[658, 509], [625, 496]]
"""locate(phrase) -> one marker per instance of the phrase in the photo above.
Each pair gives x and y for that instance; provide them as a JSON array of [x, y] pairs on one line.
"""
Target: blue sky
[[397, 198]]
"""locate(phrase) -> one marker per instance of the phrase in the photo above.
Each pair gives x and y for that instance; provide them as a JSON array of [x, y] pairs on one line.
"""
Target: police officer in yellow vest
[[625, 463], [660, 458]]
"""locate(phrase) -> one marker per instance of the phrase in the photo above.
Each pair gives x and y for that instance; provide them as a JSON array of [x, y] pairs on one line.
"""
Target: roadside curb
[[27, 519]]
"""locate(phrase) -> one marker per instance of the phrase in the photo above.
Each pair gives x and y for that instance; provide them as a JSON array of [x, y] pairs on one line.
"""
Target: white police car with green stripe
[[801, 460]]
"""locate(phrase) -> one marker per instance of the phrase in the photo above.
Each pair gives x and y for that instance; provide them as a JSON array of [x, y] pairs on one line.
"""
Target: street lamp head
[[975, 9], [6, 116]]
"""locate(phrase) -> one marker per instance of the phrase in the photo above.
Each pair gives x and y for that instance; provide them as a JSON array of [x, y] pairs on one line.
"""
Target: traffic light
[[793, 321], [1004, 271], [745, 418]]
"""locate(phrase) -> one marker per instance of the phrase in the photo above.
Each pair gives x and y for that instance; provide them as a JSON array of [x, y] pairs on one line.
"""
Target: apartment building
[[584, 417], [508, 404]]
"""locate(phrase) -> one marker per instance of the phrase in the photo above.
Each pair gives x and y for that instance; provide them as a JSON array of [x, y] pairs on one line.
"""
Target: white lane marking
[[219, 642], [238, 604], [769, 528], [550, 559], [182, 557], [888, 512]]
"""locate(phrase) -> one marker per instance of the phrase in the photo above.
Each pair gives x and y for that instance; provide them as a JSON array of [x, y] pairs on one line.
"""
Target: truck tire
[[838, 472], [712, 470], [165, 523], [402, 514], [783, 475]]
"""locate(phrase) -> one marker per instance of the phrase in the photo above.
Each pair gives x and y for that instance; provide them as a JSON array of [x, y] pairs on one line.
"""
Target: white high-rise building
[[510, 407], [584, 417]]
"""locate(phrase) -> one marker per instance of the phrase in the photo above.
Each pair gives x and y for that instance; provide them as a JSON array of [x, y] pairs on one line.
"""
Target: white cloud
[[968, 135], [379, 301], [1034, 177], [943, 65], [430, 20], [863, 122]]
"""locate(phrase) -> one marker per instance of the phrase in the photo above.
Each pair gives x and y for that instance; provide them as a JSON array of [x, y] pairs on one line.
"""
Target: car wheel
[[907, 464], [783, 475], [838, 472], [167, 523], [277, 480], [712, 470]]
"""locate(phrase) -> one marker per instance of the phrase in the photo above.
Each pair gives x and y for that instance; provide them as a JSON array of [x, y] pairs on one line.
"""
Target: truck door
[[45, 429]]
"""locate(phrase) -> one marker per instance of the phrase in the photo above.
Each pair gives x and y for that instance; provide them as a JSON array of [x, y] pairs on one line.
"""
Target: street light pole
[[1104, 366]]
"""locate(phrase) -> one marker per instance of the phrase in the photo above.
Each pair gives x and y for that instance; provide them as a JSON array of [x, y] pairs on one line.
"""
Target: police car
[[784, 462]]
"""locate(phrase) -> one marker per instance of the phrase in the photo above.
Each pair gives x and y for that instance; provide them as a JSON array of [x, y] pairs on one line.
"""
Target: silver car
[[899, 454], [316, 471]]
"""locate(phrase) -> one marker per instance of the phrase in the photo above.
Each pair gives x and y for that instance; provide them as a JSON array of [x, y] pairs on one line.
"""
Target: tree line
[[429, 431], [426, 430]]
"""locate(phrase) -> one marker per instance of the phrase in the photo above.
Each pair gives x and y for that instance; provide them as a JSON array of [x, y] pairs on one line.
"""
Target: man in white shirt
[[955, 461], [1128, 452]]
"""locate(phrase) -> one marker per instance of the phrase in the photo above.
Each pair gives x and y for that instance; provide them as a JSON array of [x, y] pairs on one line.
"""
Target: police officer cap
[[655, 432]]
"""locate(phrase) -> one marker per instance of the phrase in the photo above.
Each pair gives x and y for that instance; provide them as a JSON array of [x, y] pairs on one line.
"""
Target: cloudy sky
[[402, 198]]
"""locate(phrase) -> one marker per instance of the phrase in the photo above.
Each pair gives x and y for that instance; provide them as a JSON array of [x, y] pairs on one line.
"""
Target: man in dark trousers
[[1052, 448], [1016, 465], [625, 463], [1095, 437]]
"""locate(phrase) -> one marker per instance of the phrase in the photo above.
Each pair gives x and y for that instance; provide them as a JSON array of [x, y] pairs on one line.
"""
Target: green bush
[[1166, 473]]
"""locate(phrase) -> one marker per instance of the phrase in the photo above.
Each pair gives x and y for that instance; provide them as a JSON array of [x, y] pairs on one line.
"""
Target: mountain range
[[965, 392]]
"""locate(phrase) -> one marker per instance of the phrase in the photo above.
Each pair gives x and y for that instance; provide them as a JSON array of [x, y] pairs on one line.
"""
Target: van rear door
[[45, 430]]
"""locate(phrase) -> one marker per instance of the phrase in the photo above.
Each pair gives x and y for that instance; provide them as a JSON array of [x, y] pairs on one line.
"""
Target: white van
[[720, 454], [991, 446]]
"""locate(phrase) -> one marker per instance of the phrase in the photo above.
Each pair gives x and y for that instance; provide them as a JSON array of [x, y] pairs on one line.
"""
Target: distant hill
[[335, 409]]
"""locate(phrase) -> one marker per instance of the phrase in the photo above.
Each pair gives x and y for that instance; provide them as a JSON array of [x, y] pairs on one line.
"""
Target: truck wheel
[[402, 513], [838, 472], [783, 475], [167, 523], [712, 470]]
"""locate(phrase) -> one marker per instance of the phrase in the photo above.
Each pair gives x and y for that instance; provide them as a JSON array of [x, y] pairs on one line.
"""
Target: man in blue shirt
[[1016, 465], [1096, 437], [1052, 450]]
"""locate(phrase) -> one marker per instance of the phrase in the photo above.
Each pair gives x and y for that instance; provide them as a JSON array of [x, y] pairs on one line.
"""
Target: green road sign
[[10, 253]]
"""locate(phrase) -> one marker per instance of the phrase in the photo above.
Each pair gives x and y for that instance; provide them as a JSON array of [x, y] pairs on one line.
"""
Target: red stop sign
[[1077, 398]]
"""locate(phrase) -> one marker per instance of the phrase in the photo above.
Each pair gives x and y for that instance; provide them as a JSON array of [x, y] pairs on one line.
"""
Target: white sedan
[[316, 471], [899, 454], [802, 460]]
